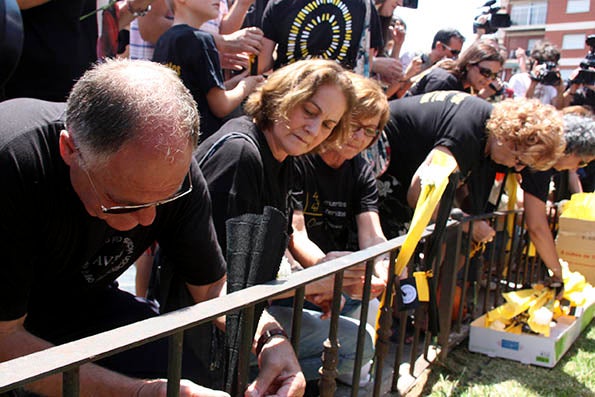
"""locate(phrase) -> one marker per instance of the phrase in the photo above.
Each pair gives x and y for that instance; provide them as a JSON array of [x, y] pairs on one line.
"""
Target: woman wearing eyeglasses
[[474, 70], [249, 163], [335, 209], [335, 195]]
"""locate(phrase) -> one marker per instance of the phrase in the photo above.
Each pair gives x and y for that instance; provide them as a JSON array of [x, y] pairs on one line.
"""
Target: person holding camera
[[581, 85], [543, 80]]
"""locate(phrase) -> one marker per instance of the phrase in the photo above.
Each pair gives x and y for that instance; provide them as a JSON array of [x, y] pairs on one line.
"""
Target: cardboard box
[[575, 244], [531, 349]]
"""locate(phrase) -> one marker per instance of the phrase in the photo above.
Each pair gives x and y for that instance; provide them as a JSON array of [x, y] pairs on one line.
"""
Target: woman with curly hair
[[479, 135], [473, 71]]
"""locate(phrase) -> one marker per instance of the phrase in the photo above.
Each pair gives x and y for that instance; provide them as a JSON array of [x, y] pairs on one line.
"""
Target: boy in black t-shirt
[[193, 55]]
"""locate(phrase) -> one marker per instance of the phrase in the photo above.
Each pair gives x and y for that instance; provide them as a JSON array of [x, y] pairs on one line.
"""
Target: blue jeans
[[315, 331]]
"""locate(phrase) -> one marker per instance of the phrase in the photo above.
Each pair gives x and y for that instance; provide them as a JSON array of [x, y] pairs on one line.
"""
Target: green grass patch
[[465, 373]]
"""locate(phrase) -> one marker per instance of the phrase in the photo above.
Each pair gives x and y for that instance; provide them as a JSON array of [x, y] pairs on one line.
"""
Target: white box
[[530, 349]]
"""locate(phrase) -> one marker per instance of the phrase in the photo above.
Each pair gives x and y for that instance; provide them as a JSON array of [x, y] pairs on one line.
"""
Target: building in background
[[565, 23]]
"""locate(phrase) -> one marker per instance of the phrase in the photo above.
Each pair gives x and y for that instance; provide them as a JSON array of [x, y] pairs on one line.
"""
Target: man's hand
[[234, 61], [158, 388], [483, 232], [247, 40], [389, 69], [325, 303], [280, 373]]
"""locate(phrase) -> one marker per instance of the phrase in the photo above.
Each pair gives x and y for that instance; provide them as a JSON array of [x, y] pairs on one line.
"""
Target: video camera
[[549, 75], [495, 19], [586, 74]]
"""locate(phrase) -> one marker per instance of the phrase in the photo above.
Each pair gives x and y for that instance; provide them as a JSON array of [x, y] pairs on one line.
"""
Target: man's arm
[[540, 233], [155, 23], [15, 341], [233, 20], [126, 7], [265, 58], [280, 372]]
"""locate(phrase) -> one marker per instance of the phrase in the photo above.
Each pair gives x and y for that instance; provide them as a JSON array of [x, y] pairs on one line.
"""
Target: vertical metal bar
[[420, 312], [245, 347], [361, 331], [448, 282], [70, 383], [296, 321], [174, 364], [384, 329], [400, 346], [330, 356]]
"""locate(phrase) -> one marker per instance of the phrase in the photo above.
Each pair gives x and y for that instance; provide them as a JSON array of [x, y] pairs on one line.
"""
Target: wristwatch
[[138, 13]]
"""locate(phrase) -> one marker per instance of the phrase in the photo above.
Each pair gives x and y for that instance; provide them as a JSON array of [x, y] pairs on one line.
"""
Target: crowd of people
[[302, 113]]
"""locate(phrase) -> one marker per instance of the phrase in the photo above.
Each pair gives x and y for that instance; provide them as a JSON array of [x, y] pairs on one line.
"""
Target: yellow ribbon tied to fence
[[433, 184]]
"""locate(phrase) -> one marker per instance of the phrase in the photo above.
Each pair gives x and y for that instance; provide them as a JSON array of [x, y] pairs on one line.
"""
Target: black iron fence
[[466, 282]]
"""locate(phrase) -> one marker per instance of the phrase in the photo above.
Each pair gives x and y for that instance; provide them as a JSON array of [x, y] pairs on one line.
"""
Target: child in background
[[192, 54]]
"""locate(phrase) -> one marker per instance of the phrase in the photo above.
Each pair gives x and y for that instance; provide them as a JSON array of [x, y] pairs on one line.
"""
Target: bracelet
[[138, 13], [267, 336]]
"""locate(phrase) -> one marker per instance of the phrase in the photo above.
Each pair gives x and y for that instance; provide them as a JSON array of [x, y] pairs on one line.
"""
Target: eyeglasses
[[368, 131], [452, 50], [582, 164], [126, 209], [487, 73]]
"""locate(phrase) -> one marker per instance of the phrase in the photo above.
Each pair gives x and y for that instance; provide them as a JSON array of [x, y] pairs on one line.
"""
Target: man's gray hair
[[122, 100], [579, 133]]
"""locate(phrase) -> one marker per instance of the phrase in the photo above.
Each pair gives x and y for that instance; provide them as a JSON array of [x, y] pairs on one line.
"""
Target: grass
[[468, 374]]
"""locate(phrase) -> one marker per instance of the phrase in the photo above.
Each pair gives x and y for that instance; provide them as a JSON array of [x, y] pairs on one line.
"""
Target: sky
[[433, 15]]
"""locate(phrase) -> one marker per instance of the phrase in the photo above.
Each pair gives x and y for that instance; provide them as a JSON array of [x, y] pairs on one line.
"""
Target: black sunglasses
[[452, 50], [487, 73]]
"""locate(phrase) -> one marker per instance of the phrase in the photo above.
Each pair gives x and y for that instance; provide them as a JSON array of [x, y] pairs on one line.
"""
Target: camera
[[586, 74], [548, 75], [410, 3], [495, 19]]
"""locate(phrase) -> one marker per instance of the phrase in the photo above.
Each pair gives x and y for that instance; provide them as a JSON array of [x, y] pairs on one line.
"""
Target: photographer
[[543, 80], [581, 85]]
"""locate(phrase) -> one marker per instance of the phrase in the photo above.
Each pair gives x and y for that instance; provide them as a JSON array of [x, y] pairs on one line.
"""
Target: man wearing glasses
[[89, 186], [447, 43]]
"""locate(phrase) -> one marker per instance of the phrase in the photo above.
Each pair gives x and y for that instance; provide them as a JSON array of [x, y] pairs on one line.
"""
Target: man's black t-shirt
[[193, 55], [329, 29], [58, 47], [331, 198], [242, 175], [436, 79], [53, 249], [417, 125]]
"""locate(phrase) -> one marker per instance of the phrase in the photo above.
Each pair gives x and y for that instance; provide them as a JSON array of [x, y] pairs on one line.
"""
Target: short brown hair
[[295, 83]]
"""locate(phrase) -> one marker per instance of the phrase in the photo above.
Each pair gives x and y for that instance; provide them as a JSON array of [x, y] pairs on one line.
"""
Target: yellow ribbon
[[421, 284], [434, 182]]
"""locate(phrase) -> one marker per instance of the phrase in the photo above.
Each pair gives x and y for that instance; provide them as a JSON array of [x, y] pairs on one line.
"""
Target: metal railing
[[511, 266]]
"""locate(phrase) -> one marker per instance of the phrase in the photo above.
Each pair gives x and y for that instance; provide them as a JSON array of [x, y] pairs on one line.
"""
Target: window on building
[[531, 13], [531, 43], [575, 6], [573, 41]]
